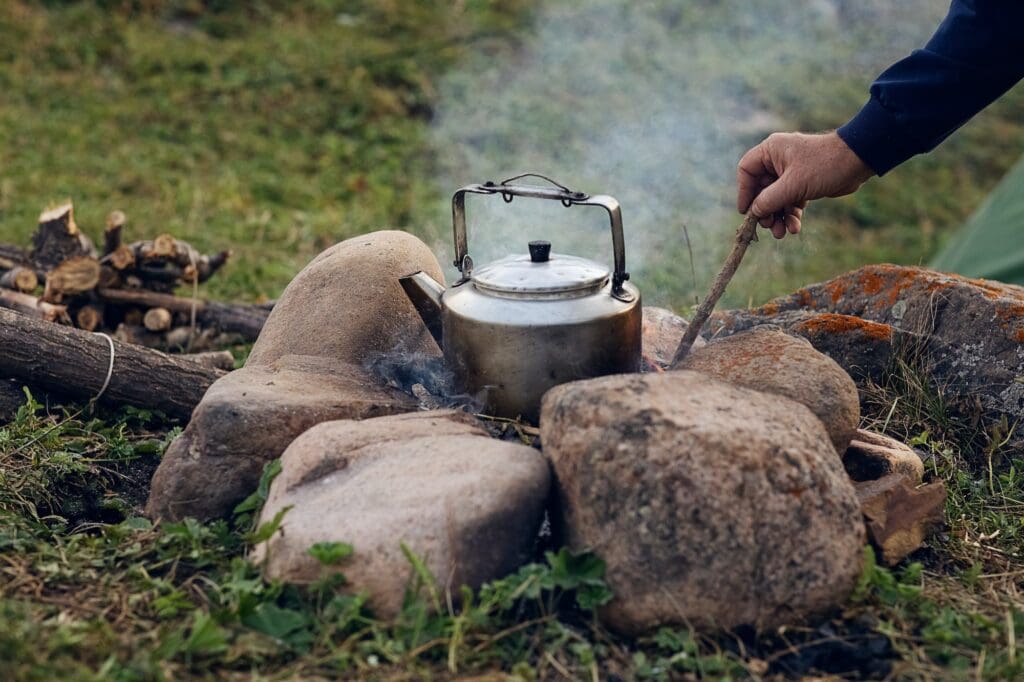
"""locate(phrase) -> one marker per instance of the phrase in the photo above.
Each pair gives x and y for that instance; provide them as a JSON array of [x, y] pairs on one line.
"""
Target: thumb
[[776, 196]]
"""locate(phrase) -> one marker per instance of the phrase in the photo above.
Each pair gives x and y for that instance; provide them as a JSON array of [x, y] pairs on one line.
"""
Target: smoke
[[654, 103]]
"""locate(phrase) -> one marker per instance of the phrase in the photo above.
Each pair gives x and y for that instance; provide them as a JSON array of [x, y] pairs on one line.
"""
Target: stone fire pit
[[715, 493]]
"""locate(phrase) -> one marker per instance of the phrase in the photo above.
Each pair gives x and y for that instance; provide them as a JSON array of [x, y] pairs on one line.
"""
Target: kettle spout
[[425, 294]]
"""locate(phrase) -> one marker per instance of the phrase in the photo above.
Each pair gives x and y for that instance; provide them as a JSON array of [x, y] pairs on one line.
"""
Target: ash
[[423, 376], [429, 380]]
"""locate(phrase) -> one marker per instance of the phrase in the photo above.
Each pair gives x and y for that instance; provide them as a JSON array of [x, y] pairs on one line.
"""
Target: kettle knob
[[540, 251]]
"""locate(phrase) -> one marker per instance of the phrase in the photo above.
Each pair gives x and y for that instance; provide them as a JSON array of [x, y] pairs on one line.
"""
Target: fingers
[[753, 173], [784, 222]]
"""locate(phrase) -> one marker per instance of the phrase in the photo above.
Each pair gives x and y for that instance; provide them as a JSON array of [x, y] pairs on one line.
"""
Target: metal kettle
[[512, 329]]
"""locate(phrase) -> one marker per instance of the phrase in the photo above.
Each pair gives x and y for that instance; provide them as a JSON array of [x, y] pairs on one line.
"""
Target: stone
[[469, 505], [965, 335], [334, 320], [863, 348], [899, 515], [711, 504], [347, 303], [247, 418], [871, 456], [767, 359], [662, 330]]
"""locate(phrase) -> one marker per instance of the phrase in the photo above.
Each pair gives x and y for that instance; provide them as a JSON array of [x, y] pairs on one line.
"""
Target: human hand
[[779, 176]]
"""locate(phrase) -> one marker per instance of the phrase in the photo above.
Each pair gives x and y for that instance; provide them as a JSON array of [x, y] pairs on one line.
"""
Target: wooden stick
[[73, 362], [112, 234], [157, 319], [20, 278], [27, 304], [746, 233]]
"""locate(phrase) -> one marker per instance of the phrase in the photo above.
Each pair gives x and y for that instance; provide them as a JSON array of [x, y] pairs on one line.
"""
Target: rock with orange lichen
[[861, 347], [968, 334]]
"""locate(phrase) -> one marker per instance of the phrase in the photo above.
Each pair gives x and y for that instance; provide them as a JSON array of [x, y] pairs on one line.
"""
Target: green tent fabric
[[991, 243]]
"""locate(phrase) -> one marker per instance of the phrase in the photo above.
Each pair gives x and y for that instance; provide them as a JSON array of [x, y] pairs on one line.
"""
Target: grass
[[276, 130]]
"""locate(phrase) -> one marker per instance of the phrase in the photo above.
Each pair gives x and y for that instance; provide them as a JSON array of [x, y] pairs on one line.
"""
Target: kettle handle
[[561, 193]]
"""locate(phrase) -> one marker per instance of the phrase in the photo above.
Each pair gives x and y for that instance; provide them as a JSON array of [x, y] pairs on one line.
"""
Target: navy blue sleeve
[[975, 56]]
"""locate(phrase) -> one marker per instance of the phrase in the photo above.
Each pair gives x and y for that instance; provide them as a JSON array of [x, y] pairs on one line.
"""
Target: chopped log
[[73, 362], [13, 256], [899, 516], [109, 278], [20, 278], [245, 320], [26, 304], [211, 264], [58, 238], [89, 317], [75, 275], [133, 316], [217, 359], [121, 258], [157, 319], [112, 233], [140, 336]]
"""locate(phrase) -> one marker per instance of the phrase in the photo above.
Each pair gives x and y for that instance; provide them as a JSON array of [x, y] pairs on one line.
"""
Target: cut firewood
[[140, 336], [217, 359], [133, 316], [157, 319], [112, 233], [898, 515], [120, 258], [26, 304], [89, 317], [58, 238], [13, 256], [73, 362], [20, 278], [245, 320], [109, 278], [74, 275]]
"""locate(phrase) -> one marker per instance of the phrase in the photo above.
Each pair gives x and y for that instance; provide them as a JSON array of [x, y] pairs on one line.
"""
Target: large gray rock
[[468, 504], [711, 504], [965, 336], [347, 303], [248, 418], [767, 359], [342, 311]]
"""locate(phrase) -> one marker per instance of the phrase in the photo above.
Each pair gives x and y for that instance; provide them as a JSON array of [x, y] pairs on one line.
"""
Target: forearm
[[974, 57]]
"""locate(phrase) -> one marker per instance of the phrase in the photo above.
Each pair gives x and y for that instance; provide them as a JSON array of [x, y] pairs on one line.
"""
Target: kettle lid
[[541, 274]]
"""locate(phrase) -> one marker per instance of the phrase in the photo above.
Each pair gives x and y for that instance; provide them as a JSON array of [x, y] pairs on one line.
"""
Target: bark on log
[[58, 238], [76, 275], [244, 320], [112, 233], [27, 304], [20, 278], [73, 362]]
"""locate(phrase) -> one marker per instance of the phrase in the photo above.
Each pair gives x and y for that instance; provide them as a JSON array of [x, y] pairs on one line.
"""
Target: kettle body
[[515, 328]]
